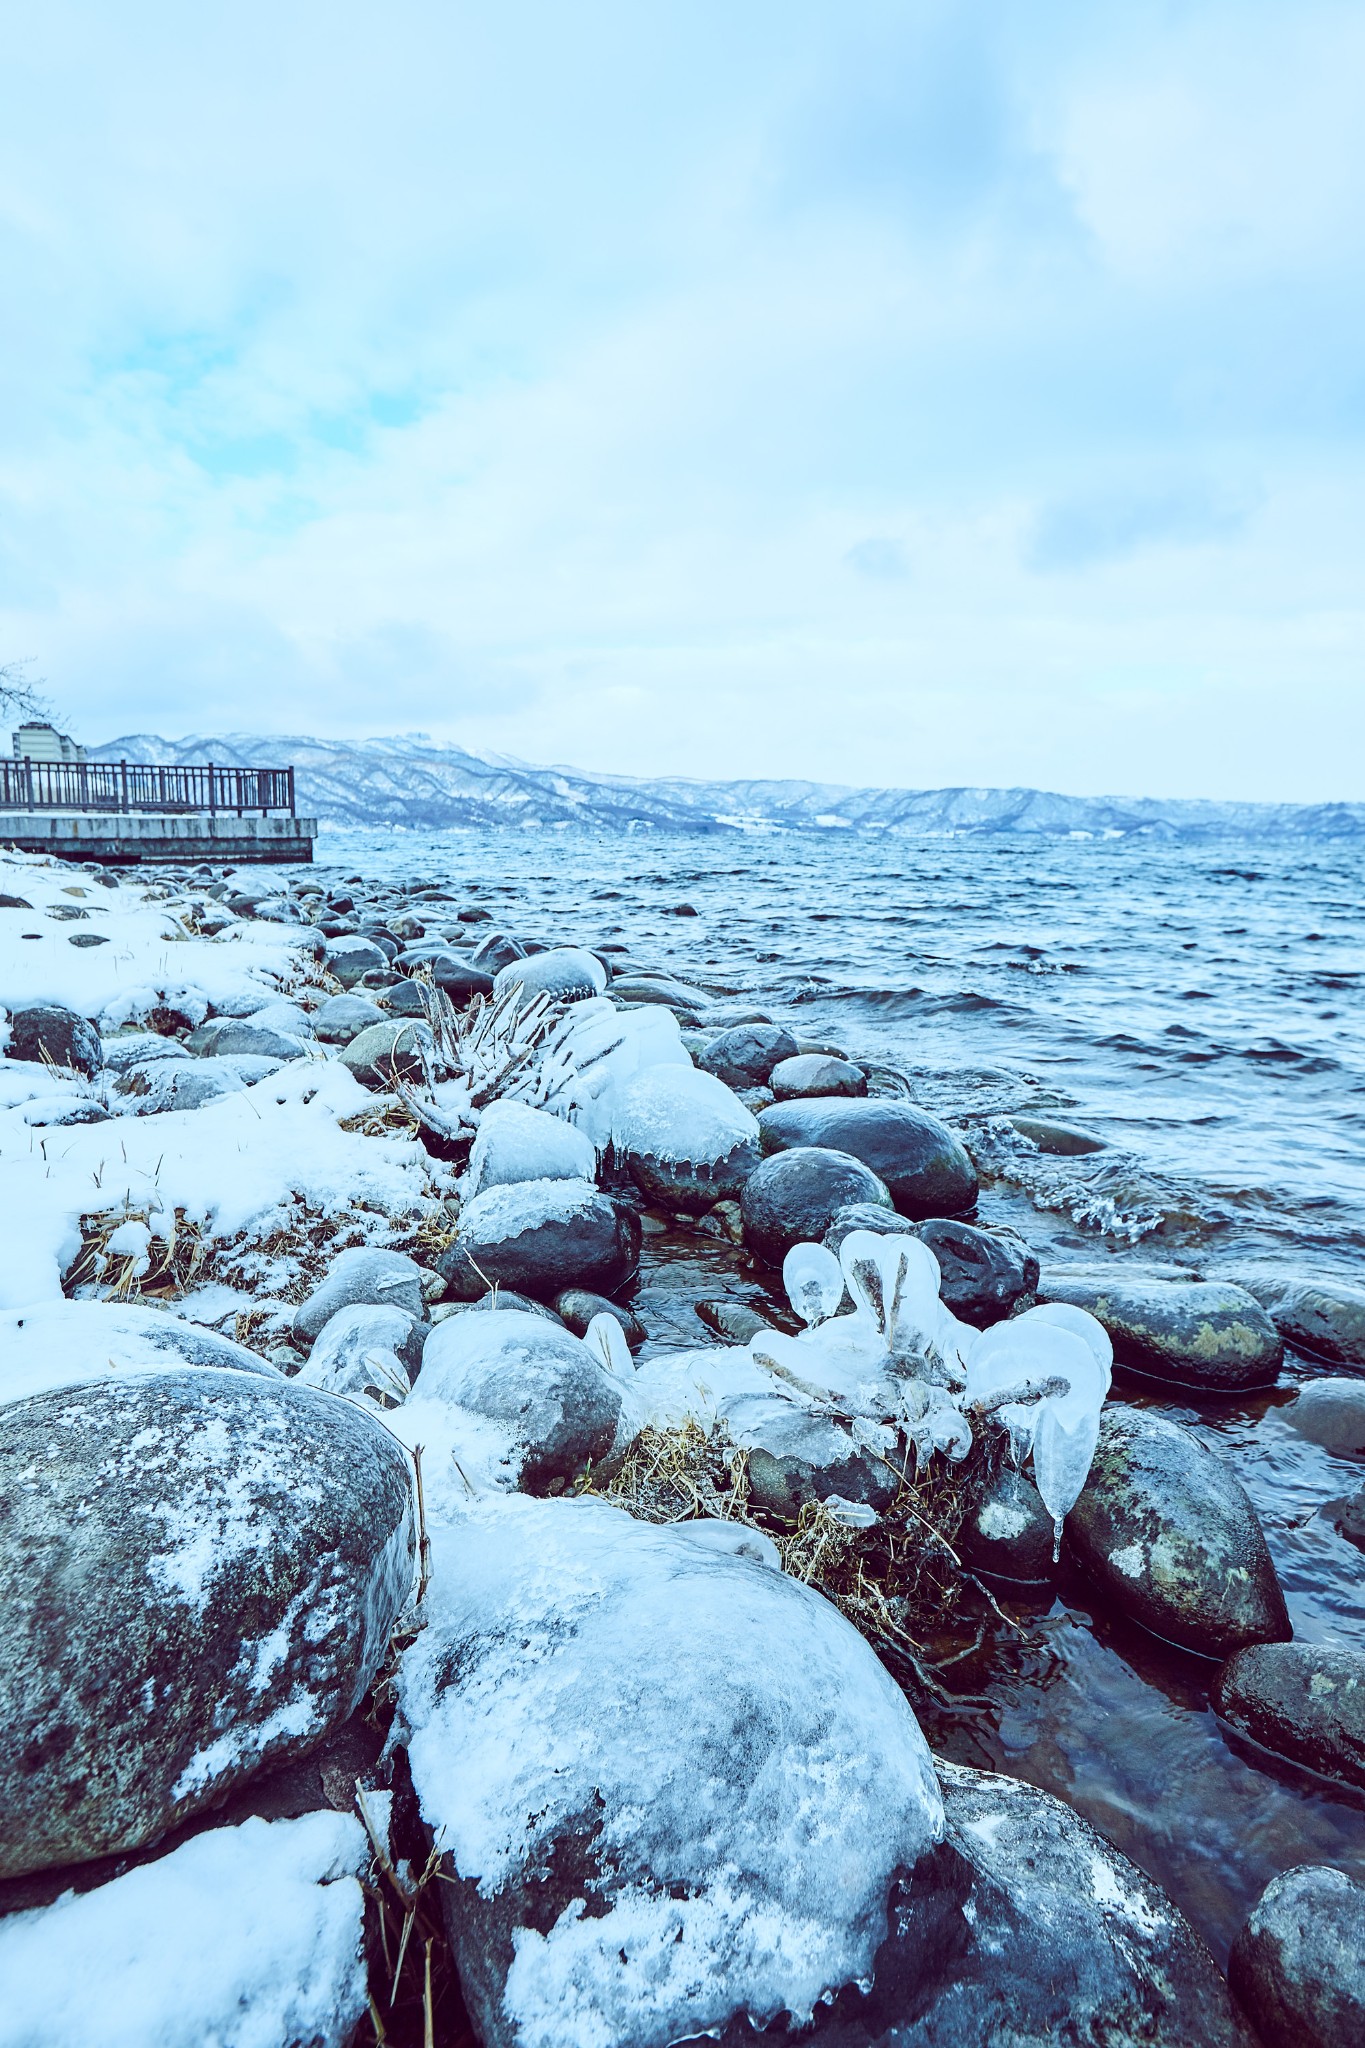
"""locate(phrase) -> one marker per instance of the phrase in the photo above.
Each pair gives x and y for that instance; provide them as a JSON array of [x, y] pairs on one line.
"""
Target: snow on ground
[[243, 1937], [148, 954], [231, 1166]]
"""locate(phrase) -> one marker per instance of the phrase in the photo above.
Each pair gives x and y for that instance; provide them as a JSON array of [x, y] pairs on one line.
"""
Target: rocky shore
[[412, 1637]]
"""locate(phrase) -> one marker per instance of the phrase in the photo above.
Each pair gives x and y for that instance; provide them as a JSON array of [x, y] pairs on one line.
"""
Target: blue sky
[[910, 394]]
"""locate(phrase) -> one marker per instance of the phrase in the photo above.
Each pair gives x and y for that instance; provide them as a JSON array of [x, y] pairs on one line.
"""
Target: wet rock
[[494, 953], [984, 1274], [1192, 1333], [550, 1392], [516, 1143], [916, 1157], [1298, 1965], [566, 974], [684, 1137], [1007, 1531], [577, 1306], [403, 999], [670, 995], [366, 1274], [199, 1571], [1324, 1317], [1331, 1413], [1065, 1141], [367, 1349], [732, 1320], [541, 1236], [1167, 1534], [1026, 1929], [796, 1457], [866, 1216], [1303, 1701], [342, 1018], [794, 1196], [654, 1722], [380, 1051], [46, 1032], [808, 1073], [755, 1100], [236, 1035], [1348, 1518], [745, 1056], [461, 980], [349, 958]]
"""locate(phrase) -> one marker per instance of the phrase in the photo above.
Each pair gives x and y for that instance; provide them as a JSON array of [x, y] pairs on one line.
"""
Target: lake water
[[1203, 1010]]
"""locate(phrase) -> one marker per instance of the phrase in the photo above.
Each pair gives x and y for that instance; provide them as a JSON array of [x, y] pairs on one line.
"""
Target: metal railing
[[27, 785]]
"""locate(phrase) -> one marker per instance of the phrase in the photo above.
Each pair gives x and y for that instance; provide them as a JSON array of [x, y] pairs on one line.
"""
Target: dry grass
[[898, 1582]]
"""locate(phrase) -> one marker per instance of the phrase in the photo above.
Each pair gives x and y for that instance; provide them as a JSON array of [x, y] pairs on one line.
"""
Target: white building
[[37, 741]]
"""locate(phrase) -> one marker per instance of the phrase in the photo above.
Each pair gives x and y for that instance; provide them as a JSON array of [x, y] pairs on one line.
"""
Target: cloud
[[1110, 525], [522, 374]]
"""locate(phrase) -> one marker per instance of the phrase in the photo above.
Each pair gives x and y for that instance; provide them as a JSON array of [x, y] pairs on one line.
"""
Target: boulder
[[674, 1785], [1189, 1333], [1298, 1965], [566, 974], [745, 1056], [342, 1018], [669, 994], [556, 1400], [403, 999], [577, 1306], [1324, 1317], [793, 1197], [199, 1572], [367, 1273], [985, 1275], [813, 1073], [380, 1051], [685, 1138], [1027, 1929], [516, 1143], [1331, 1413], [1007, 1531], [796, 1457], [915, 1156], [350, 958], [1166, 1533], [541, 1236], [494, 953], [49, 1034], [1304, 1701], [366, 1349]]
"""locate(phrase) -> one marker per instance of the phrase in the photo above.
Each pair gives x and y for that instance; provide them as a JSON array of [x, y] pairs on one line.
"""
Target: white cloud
[[584, 384]]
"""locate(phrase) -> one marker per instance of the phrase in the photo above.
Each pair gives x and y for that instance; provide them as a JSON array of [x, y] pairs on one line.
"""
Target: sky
[[910, 394]]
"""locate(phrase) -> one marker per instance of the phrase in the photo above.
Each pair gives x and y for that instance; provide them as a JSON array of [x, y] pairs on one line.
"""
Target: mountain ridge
[[410, 782]]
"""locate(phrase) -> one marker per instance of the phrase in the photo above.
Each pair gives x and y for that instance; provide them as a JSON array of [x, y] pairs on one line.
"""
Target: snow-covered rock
[[541, 1236], [687, 1139], [675, 1785], [367, 1349], [70, 1343], [243, 1937], [565, 973], [199, 1571], [516, 1142], [363, 1274], [548, 1390]]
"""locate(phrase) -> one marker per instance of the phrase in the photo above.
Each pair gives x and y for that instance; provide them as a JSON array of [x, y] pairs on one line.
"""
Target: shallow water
[[1202, 1010]]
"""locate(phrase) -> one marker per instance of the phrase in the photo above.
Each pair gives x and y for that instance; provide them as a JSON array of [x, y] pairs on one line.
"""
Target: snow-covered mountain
[[413, 783]]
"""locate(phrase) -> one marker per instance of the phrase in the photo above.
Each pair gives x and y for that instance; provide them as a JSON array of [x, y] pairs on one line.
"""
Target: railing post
[[213, 804], [28, 779], [123, 786]]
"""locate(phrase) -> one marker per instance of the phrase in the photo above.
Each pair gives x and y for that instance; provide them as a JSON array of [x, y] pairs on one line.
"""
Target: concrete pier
[[126, 838]]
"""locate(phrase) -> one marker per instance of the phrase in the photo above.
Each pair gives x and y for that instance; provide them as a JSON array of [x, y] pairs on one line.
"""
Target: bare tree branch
[[19, 693]]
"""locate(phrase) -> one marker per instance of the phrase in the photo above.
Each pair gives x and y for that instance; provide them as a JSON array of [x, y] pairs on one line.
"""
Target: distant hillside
[[412, 783]]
